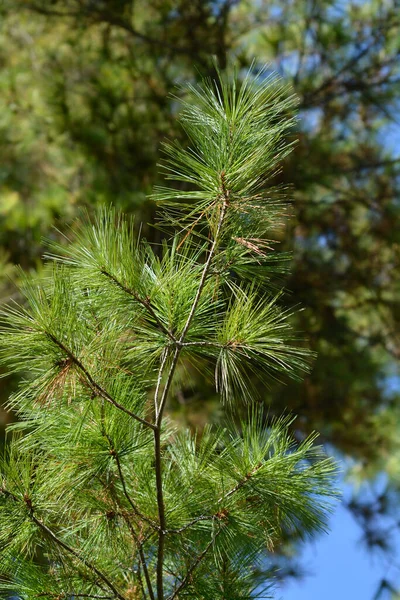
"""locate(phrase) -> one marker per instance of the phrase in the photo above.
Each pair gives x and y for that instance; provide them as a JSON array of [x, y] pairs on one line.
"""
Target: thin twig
[[73, 595], [161, 513], [159, 379], [141, 580], [204, 343], [139, 544], [193, 309], [142, 557], [194, 565], [56, 595], [144, 302], [192, 226], [111, 19], [146, 571], [207, 264], [72, 551], [241, 483], [94, 385], [137, 512], [193, 522]]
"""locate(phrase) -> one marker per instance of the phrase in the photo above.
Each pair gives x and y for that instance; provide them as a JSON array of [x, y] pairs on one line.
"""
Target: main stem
[[160, 407]]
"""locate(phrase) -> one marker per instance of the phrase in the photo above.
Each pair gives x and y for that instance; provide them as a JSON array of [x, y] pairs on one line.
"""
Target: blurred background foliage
[[85, 102]]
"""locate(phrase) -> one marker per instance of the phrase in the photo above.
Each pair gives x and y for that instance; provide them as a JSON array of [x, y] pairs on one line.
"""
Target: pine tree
[[101, 494]]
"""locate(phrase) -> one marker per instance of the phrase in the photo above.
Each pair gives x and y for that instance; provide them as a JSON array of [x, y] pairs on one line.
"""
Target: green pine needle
[[101, 495]]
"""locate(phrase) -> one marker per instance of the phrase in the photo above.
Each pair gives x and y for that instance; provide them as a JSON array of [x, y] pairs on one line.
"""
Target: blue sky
[[339, 567]]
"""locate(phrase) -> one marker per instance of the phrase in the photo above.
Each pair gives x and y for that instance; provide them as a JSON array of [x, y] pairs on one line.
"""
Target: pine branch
[[225, 202], [61, 543], [161, 512], [86, 596], [194, 566], [159, 379], [144, 302], [138, 513], [94, 385], [138, 543], [206, 343], [237, 141], [215, 516], [146, 572], [157, 432], [68, 548], [241, 483], [195, 302], [56, 596], [111, 19], [142, 557], [135, 509], [193, 522]]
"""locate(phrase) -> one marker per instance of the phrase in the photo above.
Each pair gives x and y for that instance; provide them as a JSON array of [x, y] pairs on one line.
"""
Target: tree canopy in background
[[85, 105]]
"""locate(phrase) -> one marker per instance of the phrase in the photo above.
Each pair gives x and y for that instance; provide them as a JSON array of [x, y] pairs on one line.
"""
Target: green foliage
[[101, 495], [237, 142], [84, 107]]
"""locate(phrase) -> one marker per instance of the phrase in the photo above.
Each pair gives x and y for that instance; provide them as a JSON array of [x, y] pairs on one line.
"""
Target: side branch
[[159, 378], [70, 550], [56, 596], [61, 543], [94, 385], [208, 262], [194, 566], [137, 512], [144, 302], [101, 16], [193, 522], [139, 543], [241, 483], [142, 558]]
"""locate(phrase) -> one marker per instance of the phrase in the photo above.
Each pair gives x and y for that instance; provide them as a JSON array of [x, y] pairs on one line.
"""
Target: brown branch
[[161, 510], [143, 302], [142, 557], [135, 509], [375, 165], [188, 575], [52, 12], [206, 343], [241, 483], [194, 566], [94, 385], [193, 522], [61, 543], [137, 512], [68, 548], [106, 17], [57, 596], [178, 348], [382, 27], [118, 22], [88, 596]]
